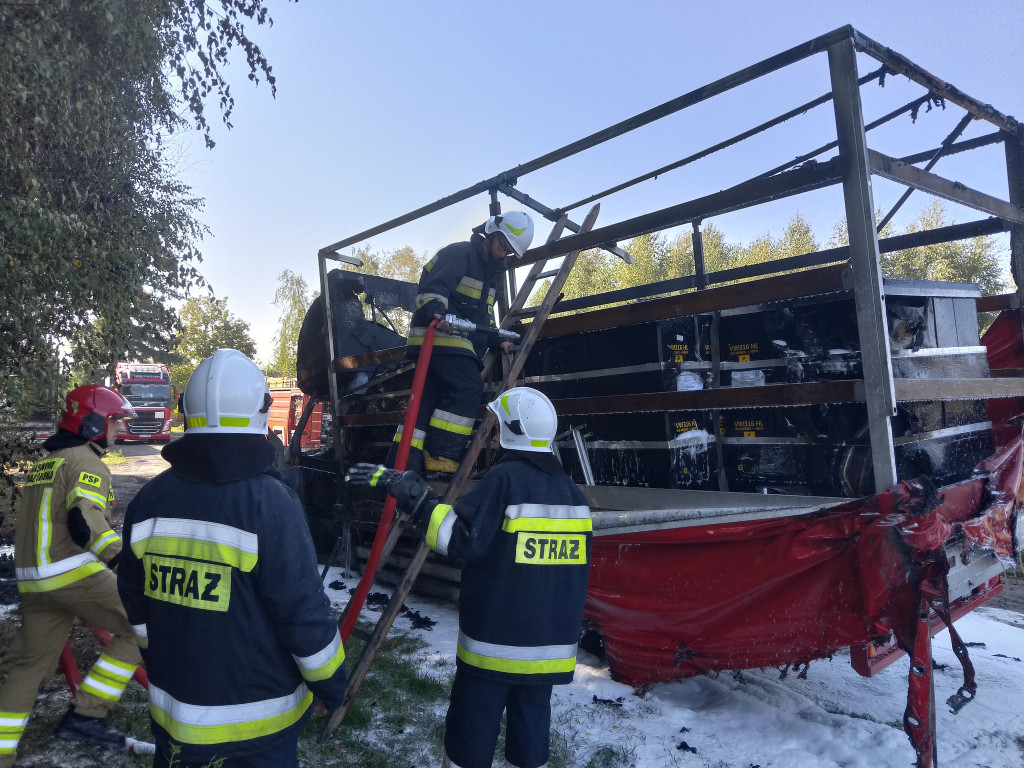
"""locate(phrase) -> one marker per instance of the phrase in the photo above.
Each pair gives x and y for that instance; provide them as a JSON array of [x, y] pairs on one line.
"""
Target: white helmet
[[517, 228], [227, 394], [527, 418]]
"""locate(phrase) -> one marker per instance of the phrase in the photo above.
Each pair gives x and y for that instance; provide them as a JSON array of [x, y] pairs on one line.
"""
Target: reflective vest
[[525, 534]]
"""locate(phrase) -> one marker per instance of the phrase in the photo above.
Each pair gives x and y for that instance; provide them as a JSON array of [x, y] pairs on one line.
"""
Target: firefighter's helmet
[[227, 394], [87, 409], [516, 226], [527, 420]]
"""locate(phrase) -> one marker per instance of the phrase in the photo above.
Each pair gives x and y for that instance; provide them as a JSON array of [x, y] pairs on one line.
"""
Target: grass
[[114, 458], [397, 720]]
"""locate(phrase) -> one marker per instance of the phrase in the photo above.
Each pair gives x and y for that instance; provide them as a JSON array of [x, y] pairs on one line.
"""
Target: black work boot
[[74, 727]]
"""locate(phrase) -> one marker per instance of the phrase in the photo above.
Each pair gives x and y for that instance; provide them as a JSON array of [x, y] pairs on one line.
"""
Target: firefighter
[[461, 280], [524, 533], [64, 553], [220, 583]]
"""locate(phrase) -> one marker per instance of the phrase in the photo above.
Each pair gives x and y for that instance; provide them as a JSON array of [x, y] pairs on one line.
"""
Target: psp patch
[[185, 582], [551, 548], [87, 478]]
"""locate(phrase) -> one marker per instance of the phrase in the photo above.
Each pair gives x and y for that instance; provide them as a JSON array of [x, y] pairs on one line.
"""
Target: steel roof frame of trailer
[[854, 166]]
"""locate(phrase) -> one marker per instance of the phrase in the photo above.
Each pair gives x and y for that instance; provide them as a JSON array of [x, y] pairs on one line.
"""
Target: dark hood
[[63, 439], [544, 461], [219, 458]]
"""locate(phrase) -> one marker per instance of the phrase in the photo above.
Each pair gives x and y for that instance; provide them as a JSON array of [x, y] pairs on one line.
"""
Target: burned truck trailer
[[807, 417]]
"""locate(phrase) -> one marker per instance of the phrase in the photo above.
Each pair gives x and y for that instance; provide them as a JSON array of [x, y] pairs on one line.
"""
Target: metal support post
[[869, 293], [698, 257], [1014, 146]]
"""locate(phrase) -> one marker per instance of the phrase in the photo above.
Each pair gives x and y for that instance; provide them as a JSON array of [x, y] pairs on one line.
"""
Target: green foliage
[[98, 236], [206, 326], [292, 298], [964, 261]]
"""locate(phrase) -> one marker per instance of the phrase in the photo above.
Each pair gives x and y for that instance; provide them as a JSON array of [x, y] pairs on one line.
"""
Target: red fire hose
[[388, 515]]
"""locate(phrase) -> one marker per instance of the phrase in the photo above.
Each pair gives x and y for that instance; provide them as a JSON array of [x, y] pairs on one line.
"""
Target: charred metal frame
[[859, 269]]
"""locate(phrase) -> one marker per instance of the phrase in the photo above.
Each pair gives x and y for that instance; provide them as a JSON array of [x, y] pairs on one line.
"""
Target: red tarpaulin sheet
[[1003, 339], [678, 602]]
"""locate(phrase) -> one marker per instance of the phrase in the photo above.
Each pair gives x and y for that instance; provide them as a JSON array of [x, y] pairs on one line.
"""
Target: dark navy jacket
[[459, 280], [218, 577], [525, 534]]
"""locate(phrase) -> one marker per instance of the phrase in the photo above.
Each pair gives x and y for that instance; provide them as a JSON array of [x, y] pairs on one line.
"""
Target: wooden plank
[[996, 303], [908, 390], [898, 171], [813, 281]]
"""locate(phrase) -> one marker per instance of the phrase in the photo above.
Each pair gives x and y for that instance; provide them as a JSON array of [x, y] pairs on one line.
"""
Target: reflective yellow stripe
[[323, 664], [468, 290], [104, 541], [440, 340], [196, 539], [234, 421], [546, 524], [423, 299], [12, 726], [540, 443], [436, 519], [376, 477], [195, 421], [81, 493], [517, 666], [447, 426], [43, 530], [417, 442], [60, 580], [107, 678], [192, 724]]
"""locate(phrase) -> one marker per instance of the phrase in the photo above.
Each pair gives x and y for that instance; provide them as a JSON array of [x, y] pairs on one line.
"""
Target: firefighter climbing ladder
[[515, 313]]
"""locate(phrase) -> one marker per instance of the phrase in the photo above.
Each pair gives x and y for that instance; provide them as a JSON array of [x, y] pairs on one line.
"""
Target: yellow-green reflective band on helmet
[[192, 724], [504, 404], [324, 663], [196, 421], [540, 443], [234, 421], [513, 230]]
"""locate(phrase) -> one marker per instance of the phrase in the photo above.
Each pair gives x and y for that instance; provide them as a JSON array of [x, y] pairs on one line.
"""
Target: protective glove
[[372, 476], [415, 498]]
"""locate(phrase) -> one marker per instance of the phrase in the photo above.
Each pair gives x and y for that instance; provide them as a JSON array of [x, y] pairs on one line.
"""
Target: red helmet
[[87, 408]]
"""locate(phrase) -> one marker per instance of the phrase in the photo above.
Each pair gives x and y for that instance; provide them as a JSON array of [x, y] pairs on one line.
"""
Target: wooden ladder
[[480, 437]]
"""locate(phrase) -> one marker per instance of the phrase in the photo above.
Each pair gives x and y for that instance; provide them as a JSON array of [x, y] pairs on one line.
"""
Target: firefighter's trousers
[[451, 399], [474, 721], [46, 619]]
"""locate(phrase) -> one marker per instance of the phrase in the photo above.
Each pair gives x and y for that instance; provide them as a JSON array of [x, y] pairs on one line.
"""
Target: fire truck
[[147, 386]]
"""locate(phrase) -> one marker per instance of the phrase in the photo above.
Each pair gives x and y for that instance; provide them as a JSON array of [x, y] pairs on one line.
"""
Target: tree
[[206, 326], [97, 234], [292, 299]]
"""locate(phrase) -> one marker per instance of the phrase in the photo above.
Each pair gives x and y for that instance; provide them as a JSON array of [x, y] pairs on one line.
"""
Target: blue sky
[[383, 107]]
